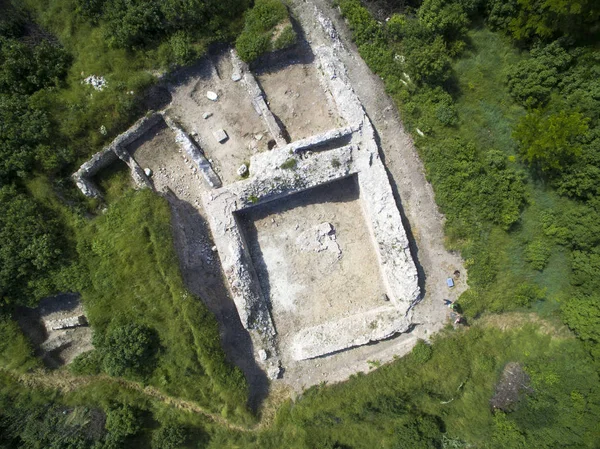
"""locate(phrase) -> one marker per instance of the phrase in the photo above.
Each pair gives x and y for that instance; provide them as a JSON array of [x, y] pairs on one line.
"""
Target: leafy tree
[[24, 131], [422, 432], [259, 28], [12, 19], [128, 350], [444, 17], [364, 27], [91, 10], [180, 49], [132, 24], [551, 142], [547, 18], [582, 315], [475, 190], [122, 421], [427, 62], [24, 69], [531, 81], [250, 46], [396, 26], [537, 253], [168, 437], [421, 352]]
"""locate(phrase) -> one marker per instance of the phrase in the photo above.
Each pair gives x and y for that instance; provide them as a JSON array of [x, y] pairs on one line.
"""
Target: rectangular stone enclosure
[[314, 258], [312, 242]]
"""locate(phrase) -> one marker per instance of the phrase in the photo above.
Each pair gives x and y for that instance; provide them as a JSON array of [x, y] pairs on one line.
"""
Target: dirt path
[[66, 383]]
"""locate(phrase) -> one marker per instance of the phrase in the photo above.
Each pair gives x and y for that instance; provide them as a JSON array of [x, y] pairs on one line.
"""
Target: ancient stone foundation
[[301, 166], [118, 150]]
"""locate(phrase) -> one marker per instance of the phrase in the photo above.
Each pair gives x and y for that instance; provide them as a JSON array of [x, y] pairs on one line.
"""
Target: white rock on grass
[[97, 82], [212, 96], [242, 170]]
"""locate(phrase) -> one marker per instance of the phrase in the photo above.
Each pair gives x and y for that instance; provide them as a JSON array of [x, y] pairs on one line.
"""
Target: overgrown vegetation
[[509, 137], [267, 27], [503, 99], [147, 326]]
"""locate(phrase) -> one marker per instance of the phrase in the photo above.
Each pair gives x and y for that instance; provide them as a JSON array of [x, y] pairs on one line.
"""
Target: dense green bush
[[31, 248], [427, 62], [551, 142], [24, 134], [531, 81], [122, 421], [132, 24], [445, 18], [250, 46], [24, 70], [529, 19], [168, 437], [260, 33], [128, 350], [286, 38]]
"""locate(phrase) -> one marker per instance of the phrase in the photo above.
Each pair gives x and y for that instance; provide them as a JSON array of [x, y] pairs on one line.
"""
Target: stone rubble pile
[[97, 82], [318, 239]]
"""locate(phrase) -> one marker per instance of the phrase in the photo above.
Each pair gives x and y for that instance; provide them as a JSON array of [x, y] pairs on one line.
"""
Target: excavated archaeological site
[[284, 216]]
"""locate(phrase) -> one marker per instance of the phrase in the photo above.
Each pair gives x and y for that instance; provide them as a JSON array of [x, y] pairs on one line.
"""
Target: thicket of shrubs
[[557, 139]]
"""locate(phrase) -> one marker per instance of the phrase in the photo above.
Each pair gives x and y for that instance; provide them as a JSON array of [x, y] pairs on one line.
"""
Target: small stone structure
[[58, 328], [118, 150], [258, 98], [317, 160]]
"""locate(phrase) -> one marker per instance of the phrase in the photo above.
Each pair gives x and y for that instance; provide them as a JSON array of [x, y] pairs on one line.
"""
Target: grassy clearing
[[452, 382], [134, 277], [487, 113], [114, 181]]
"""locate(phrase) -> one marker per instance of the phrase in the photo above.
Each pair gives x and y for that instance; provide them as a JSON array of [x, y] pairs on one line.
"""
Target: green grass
[[454, 385], [16, 352], [134, 276], [487, 113], [289, 164], [114, 181]]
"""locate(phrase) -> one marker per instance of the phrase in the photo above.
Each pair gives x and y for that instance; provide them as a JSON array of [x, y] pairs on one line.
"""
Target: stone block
[[220, 135]]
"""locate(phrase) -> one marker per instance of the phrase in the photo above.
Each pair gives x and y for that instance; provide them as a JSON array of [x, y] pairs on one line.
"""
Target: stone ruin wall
[[117, 150], [268, 182]]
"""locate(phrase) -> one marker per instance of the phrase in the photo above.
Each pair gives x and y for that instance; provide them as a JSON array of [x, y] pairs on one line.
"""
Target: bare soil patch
[[314, 257], [295, 95], [232, 112], [510, 388]]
